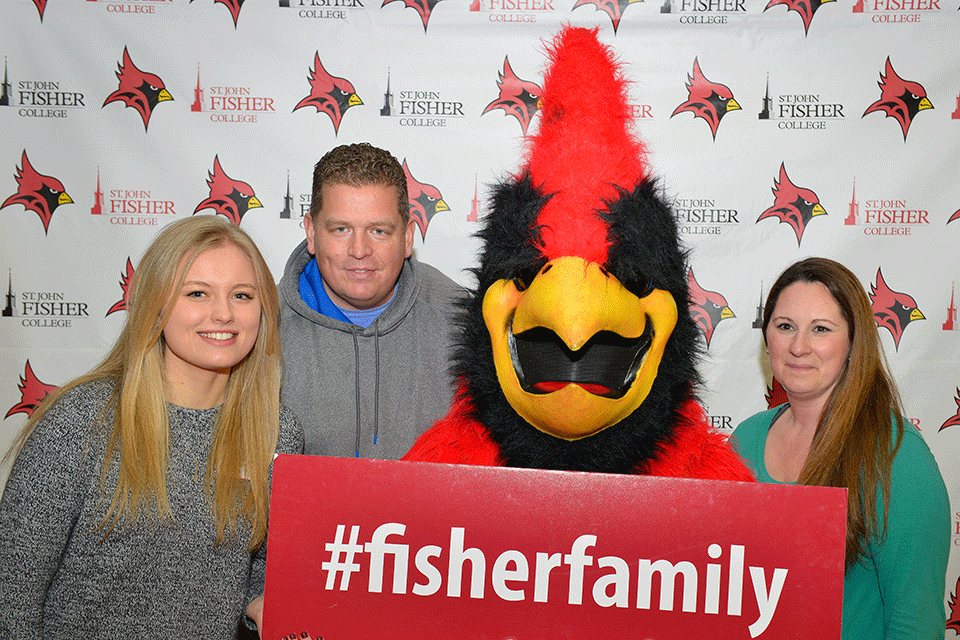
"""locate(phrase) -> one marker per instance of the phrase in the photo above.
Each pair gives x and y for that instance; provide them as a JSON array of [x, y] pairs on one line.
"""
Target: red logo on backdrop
[[474, 214], [228, 197], [707, 308], [125, 278], [708, 100], [425, 201], [806, 9], [953, 620], [613, 8], [892, 11], [329, 94], [230, 103], [776, 395], [953, 421], [423, 7], [37, 192], [518, 98], [32, 393], [97, 208], [899, 99], [137, 89], [793, 205], [951, 323], [41, 7], [955, 216], [892, 310], [233, 6], [457, 552]]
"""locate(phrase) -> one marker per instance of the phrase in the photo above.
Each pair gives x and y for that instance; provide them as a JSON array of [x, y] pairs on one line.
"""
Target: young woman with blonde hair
[[844, 427], [137, 503]]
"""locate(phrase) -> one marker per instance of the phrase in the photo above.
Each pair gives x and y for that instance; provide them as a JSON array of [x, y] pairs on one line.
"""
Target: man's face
[[360, 243]]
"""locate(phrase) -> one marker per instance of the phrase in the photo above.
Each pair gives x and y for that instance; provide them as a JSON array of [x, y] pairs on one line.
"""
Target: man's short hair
[[359, 165]]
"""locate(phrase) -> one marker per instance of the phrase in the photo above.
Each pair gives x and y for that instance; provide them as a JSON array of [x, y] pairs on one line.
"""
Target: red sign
[[377, 550]]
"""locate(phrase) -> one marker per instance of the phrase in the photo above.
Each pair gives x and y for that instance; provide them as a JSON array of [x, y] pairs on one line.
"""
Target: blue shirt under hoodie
[[315, 295]]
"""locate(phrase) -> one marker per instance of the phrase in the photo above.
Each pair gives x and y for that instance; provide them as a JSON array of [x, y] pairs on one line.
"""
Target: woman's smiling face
[[808, 341]]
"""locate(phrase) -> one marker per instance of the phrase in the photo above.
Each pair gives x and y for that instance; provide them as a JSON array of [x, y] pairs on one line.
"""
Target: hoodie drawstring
[[356, 355], [376, 381]]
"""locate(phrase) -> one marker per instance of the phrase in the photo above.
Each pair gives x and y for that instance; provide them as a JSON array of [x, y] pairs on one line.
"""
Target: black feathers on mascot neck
[[644, 249]]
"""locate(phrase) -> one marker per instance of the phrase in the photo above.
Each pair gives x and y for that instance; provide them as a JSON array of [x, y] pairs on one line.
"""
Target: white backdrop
[[236, 74]]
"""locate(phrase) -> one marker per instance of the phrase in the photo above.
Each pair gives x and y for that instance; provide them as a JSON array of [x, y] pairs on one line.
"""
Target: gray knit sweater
[[61, 578]]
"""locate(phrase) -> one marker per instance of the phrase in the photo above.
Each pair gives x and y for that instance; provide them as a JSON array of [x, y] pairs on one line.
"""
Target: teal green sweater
[[897, 592]]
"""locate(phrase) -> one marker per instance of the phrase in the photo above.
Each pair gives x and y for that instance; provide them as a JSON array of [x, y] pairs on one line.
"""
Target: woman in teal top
[[843, 426]]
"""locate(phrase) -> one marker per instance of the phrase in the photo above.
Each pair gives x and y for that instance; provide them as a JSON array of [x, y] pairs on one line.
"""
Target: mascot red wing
[[578, 352]]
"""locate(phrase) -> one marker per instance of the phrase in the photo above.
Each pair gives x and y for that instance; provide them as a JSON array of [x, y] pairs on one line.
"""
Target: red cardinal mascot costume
[[578, 352]]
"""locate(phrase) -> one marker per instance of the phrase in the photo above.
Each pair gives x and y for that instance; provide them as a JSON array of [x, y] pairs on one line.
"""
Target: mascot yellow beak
[[575, 351]]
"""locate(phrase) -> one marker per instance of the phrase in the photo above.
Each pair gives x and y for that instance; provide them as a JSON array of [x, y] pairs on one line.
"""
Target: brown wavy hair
[[359, 165], [853, 446]]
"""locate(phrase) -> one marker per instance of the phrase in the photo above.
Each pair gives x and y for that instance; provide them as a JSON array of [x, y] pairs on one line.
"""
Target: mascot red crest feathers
[[577, 351], [583, 149]]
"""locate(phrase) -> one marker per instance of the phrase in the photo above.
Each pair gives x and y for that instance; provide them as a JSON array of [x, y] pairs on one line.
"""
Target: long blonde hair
[[853, 446], [247, 427]]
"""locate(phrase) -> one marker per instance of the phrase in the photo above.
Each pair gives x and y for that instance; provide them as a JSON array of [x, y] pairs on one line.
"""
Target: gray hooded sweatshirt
[[368, 392]]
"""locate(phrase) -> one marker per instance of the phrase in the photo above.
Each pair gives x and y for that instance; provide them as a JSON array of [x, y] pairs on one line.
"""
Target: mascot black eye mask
[[577, 349]]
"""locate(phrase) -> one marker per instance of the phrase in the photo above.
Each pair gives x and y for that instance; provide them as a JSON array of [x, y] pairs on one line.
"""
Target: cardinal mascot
[[577, 351]]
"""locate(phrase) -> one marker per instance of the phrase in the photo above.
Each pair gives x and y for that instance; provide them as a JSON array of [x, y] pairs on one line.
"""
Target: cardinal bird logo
[[953, 622], [952, 422], [425, 201], [806, 9], [142, 91], [121, 305], [899, 99], [41, 7], [613, 8], [705, 99], [36, 192], [793, 205], [776, 395], [892, 310], [233, 5], [518, 98], [228, 197], [329, 94], [32, 393], [707, 308], [423, 7]]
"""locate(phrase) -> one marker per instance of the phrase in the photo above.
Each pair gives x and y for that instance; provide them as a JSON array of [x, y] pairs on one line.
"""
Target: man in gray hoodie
[[366, 329]]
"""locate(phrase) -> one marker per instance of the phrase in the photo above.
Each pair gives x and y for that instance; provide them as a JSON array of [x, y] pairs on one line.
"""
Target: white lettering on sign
[[510, 574]]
